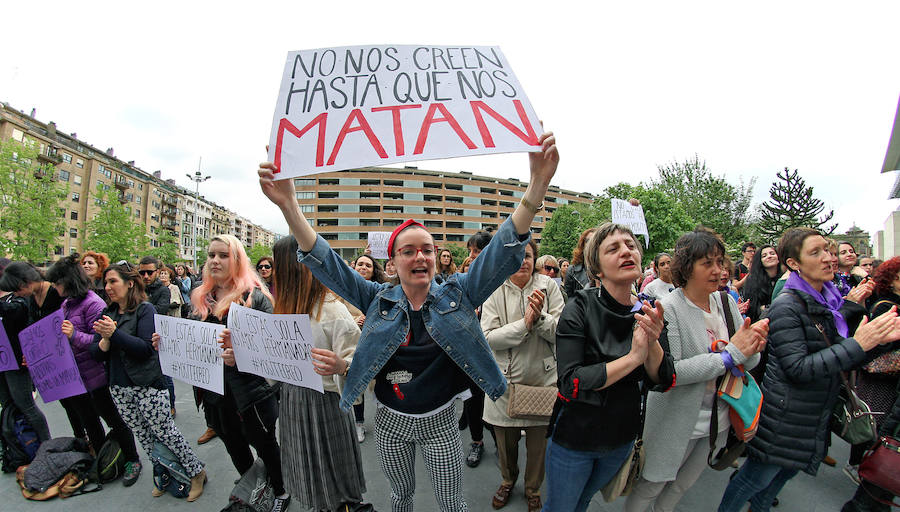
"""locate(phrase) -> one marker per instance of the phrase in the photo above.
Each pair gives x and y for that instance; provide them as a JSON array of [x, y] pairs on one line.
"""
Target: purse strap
[[506, 322], [714, 414]]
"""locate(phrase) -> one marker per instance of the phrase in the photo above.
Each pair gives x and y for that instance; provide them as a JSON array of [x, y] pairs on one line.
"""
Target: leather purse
[[531, 402], [881, 467]]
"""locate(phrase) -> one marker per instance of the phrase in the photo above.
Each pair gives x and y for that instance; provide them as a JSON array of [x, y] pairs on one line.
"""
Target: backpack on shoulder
[[19, 442], [168, 473]]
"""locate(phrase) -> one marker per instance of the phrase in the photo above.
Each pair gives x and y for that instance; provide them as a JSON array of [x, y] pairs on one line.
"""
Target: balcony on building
[[50, 156], [170, 199], [122, 183]]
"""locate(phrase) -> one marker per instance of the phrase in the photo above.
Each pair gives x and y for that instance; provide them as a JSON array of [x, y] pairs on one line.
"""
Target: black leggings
[[253, 427], [93, 405]]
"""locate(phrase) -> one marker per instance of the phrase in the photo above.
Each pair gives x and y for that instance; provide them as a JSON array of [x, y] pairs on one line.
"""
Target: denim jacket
[[448, 312]]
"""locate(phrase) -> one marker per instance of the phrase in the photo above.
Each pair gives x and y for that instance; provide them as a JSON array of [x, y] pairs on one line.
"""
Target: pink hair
[[242, 280]]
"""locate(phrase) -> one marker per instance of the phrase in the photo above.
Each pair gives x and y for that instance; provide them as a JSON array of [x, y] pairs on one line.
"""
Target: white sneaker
[[360, 432], [852, 473]]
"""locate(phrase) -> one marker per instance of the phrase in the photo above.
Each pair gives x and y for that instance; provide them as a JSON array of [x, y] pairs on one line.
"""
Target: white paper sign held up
[[273, 346], [189, 351], [626, 214], [378, 242], [355, 106]]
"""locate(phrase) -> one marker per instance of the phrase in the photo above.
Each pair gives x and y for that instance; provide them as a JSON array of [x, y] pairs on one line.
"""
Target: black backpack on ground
[[109, 464], [18, 441]]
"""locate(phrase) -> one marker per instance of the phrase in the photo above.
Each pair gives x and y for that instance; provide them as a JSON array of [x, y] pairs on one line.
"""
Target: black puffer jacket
[[802, 380], [14, 314]]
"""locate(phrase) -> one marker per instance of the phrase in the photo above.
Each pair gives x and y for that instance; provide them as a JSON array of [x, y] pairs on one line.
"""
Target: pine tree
[[31, 201], [792, 205]]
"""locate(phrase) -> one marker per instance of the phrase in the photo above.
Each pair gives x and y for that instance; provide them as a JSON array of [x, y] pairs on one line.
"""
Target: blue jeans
[[757, 482], [573, 476]]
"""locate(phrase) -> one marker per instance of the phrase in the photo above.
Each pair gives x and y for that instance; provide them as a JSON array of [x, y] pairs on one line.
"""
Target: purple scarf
[[830, 298]]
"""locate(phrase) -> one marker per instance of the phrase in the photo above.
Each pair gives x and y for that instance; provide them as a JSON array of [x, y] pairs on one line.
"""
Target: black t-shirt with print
[[420, 376]]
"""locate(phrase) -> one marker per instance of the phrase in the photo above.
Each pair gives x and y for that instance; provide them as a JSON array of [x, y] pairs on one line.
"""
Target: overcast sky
[[626, 86]]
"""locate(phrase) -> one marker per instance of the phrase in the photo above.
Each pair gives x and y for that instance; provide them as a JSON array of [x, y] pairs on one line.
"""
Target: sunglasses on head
[[125, 264], [263, 266], [146, 272], [549, 268]]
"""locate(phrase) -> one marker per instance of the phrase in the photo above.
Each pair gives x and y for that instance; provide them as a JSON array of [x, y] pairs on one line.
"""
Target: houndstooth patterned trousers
[[396, 439], [146, 411]]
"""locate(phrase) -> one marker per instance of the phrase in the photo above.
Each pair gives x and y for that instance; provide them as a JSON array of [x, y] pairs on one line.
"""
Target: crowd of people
[[625, 359]]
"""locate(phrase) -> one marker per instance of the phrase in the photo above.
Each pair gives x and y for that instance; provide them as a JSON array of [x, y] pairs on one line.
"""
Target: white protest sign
[[625, 213], [189, 351], [378, 242], [355, 106], [273, 346]]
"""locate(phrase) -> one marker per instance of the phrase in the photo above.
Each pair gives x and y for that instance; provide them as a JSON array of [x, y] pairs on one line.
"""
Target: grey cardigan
[[671, 416]]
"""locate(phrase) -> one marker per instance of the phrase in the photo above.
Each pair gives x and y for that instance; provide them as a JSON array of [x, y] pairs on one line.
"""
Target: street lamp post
[[197, 178]]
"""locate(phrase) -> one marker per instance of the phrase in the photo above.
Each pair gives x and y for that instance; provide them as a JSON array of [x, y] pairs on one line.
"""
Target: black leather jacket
[[593, 330]]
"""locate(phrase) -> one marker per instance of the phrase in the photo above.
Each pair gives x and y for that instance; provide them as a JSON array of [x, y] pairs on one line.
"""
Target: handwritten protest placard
[[273, 346], [625, 213], [189, 351], [347, 107], [7, 356], [378, 242], [50, 360]]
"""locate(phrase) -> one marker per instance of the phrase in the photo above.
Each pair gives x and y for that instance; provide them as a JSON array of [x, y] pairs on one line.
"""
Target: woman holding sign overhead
[[319, 453], [421, 342], [136, 383], [245, 416]]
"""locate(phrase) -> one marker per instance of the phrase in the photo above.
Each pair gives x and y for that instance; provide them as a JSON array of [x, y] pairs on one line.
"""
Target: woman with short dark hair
[[83, 307], [608, 346], [679, 423], [811, 340]]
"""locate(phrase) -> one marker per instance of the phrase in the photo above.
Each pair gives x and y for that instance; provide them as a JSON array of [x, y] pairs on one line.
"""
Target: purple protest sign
[[50, 359], [7, 356]]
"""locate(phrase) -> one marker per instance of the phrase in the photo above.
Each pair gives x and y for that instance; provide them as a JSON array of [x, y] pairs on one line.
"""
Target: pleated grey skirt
[[320, 455]]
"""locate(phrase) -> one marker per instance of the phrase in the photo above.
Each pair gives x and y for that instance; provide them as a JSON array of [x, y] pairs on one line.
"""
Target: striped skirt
[[320, 456]]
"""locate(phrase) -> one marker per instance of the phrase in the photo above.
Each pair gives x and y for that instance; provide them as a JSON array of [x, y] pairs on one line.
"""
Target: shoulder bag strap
[[726, 308], [714, 413]]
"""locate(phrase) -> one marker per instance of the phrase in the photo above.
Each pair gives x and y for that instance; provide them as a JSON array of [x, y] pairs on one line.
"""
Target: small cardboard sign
[[277, 347], [378, 243], [189, 351], [625, 213], [50, 360]]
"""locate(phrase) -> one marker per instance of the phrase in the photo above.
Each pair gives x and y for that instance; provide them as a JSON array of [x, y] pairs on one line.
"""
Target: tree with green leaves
[[31, 201], [791, 204], [258, 251], [708, 199], [666, 219], [166, 249], [112, 230], [561, 232]]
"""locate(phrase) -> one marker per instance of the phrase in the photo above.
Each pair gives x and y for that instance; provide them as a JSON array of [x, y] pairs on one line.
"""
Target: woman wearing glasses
[[264, 269], [421, 341]]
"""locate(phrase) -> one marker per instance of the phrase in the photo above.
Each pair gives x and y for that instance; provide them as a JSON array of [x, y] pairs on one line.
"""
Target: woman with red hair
[[245, 416], [94, 264]]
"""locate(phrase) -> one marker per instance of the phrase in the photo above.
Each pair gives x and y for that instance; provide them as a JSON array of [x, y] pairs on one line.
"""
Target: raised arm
[[543, 165]]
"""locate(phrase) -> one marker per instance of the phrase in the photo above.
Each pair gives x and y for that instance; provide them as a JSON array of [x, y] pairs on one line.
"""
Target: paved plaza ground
[[824, 493]]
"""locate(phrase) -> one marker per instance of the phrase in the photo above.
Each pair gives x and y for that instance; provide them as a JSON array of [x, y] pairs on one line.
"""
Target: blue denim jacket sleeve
[[495, 263], [330, 269]]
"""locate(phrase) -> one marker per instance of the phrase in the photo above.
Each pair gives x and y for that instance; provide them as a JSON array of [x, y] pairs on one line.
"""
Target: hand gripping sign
[[189, 351], [50, 360], [277, 347], [356, 106]]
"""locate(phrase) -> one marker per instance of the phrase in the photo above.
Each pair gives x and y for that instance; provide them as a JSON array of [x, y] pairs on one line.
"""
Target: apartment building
[[345, 206], [155, 203]]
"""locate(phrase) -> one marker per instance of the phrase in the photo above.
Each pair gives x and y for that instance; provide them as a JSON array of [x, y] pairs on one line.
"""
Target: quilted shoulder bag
[[529, 402], [623, 482]]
